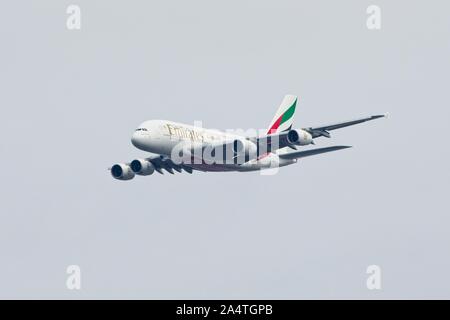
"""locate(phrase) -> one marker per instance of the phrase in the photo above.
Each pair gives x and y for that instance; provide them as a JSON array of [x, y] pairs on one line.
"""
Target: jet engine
[[142, 167], [299, 137], [122, 171]]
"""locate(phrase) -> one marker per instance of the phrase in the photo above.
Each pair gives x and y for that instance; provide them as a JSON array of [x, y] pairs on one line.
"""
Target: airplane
[[173, 146]]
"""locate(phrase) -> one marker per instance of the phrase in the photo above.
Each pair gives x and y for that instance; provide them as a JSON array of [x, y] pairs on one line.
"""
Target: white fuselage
[[161, 137]]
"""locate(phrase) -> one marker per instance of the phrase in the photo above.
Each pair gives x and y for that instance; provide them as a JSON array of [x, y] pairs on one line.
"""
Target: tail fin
[[284, 117]]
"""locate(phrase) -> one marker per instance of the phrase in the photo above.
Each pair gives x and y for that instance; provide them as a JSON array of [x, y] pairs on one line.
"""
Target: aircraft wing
[[323, 130], [168, 165], [312, 152], [320, 131]]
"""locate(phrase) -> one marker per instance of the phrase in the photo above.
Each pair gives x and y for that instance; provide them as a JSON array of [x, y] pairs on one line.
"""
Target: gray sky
[[70, 101]]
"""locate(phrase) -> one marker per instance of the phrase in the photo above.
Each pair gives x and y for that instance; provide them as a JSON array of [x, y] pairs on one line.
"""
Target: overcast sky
[[70, 101]]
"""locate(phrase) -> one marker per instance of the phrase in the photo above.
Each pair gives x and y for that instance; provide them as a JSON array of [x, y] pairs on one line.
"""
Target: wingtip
[[340, 147], [378, 116], [384, 115]]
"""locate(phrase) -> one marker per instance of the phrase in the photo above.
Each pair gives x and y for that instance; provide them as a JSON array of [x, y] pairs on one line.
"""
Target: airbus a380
[[180, 147]]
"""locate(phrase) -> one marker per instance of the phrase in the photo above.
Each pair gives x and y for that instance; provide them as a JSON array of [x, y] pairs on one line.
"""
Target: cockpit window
[[141, 129]]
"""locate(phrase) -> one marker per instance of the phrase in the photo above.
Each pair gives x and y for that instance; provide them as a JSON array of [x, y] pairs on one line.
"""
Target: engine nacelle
[[142, 167], [244, 146], [122, 171], [299, 137]]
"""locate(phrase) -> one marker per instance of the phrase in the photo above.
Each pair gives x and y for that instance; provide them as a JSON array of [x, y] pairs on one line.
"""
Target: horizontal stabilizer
[[312, 152]]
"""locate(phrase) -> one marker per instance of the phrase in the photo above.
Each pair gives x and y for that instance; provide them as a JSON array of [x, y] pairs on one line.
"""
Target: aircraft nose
[[137, 140]]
